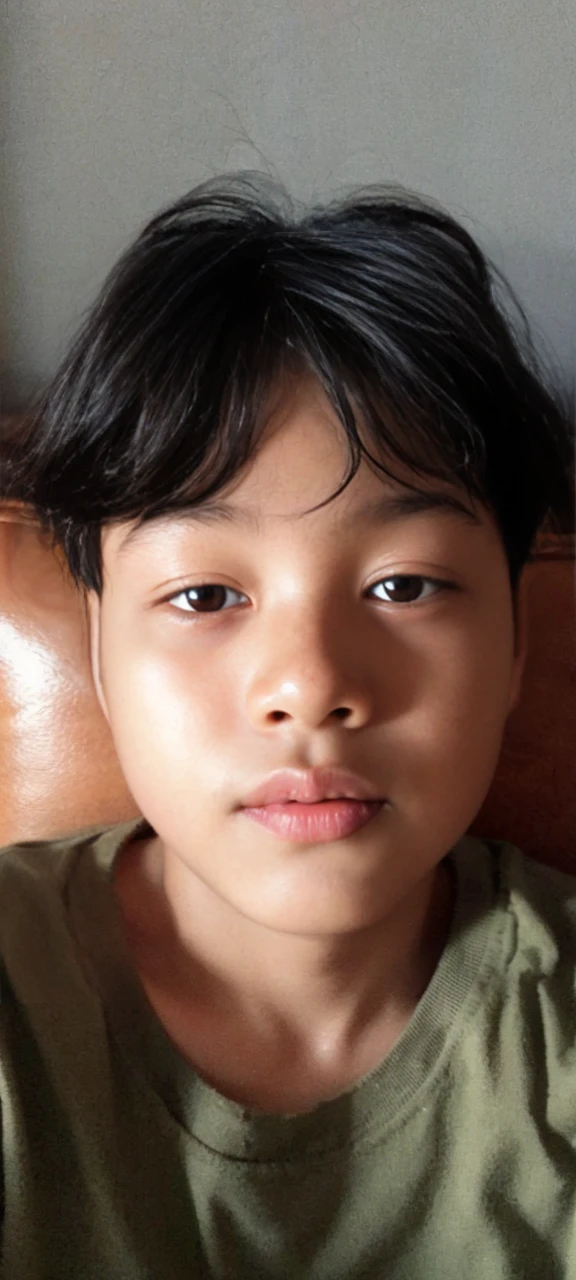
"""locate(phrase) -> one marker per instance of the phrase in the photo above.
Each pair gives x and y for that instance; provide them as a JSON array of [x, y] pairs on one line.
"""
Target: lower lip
[[316, 823]]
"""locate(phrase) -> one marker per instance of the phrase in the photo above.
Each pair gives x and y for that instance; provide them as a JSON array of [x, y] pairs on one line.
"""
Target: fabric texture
[[455, 1157]]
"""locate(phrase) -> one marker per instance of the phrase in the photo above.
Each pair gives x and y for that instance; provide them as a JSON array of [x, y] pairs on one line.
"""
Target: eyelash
[[438, 583]]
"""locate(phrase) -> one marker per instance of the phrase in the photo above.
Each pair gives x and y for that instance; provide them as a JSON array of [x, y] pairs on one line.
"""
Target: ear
[[520, 642], [94, 613]]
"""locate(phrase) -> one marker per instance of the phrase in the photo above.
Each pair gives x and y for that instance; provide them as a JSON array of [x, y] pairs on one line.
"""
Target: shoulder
[[42, 860], [40, 866], [542, 902], [35, 876], [524, 914], [38, 870], [537, 1013]]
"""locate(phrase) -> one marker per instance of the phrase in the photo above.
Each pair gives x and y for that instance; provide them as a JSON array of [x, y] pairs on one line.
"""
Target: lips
[[315, 823], [310, 786]]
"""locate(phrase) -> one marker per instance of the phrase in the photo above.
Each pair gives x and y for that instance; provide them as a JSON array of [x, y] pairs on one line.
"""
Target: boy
[[294, 1022]]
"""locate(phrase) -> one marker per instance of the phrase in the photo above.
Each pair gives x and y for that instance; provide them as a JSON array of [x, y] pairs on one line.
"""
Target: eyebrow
[[381, 510]]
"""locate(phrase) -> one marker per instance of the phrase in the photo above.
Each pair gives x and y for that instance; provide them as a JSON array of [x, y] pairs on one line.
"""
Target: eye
[[207, 597], [406, 588]]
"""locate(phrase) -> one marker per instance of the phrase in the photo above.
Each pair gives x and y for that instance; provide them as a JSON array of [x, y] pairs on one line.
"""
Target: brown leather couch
[[59, 771]]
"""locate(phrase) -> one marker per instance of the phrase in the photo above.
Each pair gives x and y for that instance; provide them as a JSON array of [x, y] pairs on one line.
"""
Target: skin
[[284, 971]]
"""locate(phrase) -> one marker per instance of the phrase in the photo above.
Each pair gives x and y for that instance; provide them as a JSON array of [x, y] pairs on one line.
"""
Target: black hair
[[382, 296]]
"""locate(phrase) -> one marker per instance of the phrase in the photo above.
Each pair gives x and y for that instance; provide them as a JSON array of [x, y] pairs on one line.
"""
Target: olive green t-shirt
[[454, 1159]]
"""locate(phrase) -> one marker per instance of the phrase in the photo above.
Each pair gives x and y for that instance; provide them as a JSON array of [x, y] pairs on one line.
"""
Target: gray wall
[[111, 108]]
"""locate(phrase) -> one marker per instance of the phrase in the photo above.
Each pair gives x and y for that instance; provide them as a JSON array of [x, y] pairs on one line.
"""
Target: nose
[[309, 675]]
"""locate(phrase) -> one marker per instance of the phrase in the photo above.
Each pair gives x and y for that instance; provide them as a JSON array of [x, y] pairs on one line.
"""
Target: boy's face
[[203, 706]]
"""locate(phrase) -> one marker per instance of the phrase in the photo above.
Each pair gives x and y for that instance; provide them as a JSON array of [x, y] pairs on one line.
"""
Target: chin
[[308, 918]]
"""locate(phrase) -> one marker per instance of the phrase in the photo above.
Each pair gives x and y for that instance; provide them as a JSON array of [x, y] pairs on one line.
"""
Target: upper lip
[[309, 786]]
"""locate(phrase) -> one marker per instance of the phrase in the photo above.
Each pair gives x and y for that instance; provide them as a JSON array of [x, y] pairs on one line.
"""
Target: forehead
[[302, 460]]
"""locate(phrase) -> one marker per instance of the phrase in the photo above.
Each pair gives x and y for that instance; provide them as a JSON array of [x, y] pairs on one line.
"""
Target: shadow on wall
[[543, 277]]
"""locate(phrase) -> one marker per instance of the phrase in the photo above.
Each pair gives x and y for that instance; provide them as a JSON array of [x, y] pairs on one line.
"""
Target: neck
[[335, 1005]]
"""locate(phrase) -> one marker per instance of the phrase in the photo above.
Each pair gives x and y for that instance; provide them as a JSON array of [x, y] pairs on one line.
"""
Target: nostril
[[278, 715]]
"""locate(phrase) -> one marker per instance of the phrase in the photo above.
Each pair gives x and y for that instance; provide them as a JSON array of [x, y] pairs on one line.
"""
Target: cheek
[[448, 743], [468, 682], [169, 716]]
